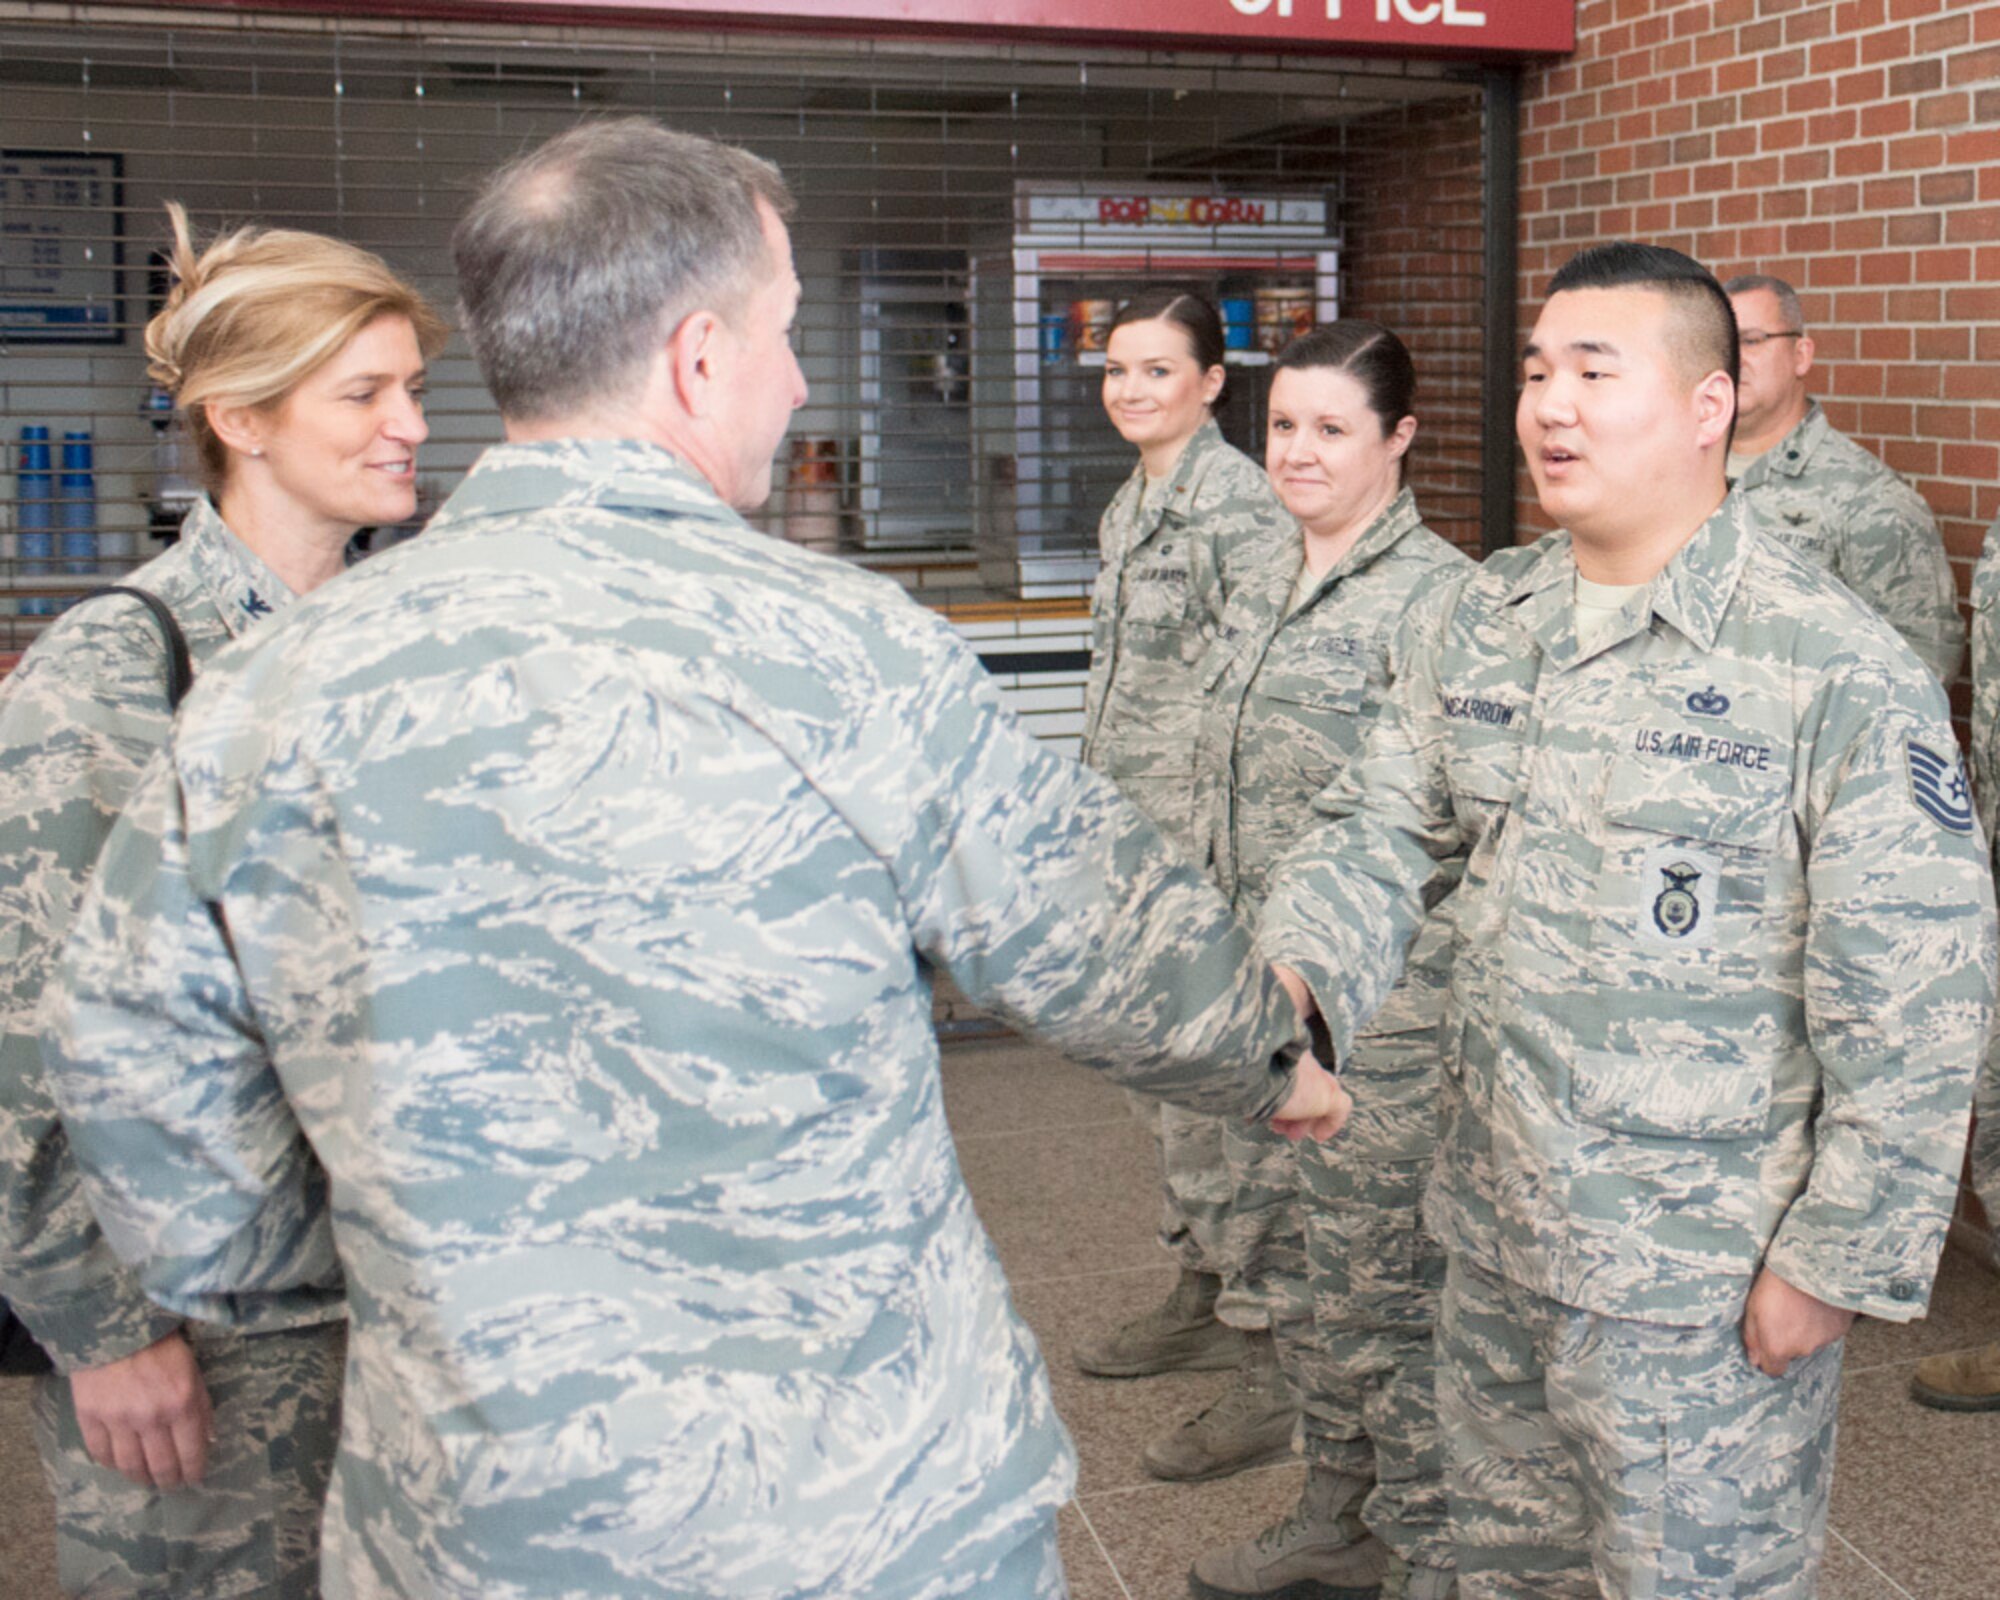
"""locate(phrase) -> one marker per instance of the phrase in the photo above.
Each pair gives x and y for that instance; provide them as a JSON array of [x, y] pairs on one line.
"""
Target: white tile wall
[[1049, 704]]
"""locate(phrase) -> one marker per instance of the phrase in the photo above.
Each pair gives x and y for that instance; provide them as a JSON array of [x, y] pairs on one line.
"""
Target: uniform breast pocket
[[1311, 721], [1158, 592], [1688, 856]]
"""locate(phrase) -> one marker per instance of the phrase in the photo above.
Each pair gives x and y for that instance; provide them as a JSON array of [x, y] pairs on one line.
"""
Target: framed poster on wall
[[62, 261]]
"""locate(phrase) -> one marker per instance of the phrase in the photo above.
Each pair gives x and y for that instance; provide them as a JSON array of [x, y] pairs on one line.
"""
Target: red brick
[[1889, 44], [1885, 119], [1973, 303], [1919, 150], [1969, 461], [1946, 33], [1973, 224], [1915, 227], [1944, 422], [1974, 66], [1979, 381], [1947, 188], [1889, 268], [1944, 110], [1885, 344], [1913, 458], [1857, 160], [1911, 305], [1782, 65], [1941, 266], [1888, 194], [1859, 88]]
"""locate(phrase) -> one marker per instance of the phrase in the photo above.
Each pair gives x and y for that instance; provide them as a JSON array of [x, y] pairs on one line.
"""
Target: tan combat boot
[[1180, 1335], [1250, 1425], [1319, 1552], [1966, 1380]]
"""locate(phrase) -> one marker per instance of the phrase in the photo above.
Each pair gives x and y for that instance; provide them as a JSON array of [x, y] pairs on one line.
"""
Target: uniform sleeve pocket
[[1682, 1097]]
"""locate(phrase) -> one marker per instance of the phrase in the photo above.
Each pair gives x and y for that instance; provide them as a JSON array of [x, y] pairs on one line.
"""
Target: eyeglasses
[[1756, 337]]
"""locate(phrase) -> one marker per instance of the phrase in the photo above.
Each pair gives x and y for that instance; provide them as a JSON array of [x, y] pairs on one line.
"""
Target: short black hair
[[1704, 321]]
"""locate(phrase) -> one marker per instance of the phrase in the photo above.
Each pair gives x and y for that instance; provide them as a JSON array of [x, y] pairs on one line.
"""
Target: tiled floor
[[1063, 1177]]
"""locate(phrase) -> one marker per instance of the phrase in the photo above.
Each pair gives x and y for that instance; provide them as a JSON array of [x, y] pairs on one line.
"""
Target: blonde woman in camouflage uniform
[[1194, 516], [1295, 683], [188, 1451]]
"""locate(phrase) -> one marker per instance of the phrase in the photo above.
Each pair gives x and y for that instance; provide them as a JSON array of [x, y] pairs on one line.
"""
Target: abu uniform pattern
[[1834, 503], [583, 861], [1170, 561], [79, 718], [1350, 1276], [1784, 1073], [1724, 963], [1171, 555], [1986, 787]]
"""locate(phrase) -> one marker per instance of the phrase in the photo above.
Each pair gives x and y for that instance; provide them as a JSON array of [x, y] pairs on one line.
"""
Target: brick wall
[[1850, 146], [1413, 225]]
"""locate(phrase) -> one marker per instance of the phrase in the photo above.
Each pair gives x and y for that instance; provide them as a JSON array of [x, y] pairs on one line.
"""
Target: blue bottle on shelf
[[34, 513], [76, 505]]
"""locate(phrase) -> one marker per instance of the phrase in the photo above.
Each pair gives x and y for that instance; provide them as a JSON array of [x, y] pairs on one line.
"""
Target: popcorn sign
[[1192, 211]]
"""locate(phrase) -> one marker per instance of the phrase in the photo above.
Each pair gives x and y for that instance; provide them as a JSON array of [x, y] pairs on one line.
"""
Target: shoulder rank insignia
[[1937, 784]]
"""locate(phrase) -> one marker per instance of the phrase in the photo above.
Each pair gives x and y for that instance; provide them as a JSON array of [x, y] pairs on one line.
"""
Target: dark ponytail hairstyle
[[1193, 315], [1368, 353]]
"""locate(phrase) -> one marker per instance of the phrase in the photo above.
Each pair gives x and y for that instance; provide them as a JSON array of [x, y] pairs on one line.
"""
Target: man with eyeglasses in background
[[1824, 495]]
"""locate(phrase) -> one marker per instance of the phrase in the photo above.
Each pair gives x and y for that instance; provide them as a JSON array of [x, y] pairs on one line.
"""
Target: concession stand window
[[974, 194]]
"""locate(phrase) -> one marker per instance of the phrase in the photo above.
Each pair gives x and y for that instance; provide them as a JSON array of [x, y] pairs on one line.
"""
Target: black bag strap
[[20, 1355], [180, 670]]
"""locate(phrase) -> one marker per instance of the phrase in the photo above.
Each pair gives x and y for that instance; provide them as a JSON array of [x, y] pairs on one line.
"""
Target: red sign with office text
[[1410, 27]]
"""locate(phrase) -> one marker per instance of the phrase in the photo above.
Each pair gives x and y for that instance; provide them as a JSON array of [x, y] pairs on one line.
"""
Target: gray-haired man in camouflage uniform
[[1823, 494], [567, 881], [1724, 963], [1969, 1380]]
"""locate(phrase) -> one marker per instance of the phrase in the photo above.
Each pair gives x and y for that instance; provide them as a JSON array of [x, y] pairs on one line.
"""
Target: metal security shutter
[[951, 424]]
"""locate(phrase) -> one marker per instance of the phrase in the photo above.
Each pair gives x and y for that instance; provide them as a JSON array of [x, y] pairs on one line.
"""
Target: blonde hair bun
[[247, 319]]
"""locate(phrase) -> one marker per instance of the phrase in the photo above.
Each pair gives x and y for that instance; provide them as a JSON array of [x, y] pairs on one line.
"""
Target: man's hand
[[147, 1415], [1318, 1106], [1295, 986], [1782, 1324]]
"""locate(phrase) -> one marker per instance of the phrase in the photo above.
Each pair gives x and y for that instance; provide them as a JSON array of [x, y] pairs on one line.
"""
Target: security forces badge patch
[[1677, 891], [1937, 784]]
